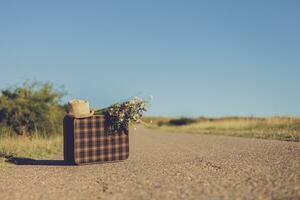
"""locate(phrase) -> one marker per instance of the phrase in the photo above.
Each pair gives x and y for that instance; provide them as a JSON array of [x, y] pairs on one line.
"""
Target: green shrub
[[181, 121], [32, 107]]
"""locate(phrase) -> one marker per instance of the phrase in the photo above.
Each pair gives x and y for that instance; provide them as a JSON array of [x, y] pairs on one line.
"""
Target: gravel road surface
[[167, 166]]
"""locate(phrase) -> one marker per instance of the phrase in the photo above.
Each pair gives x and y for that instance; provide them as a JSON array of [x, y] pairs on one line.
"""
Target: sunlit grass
[[281, 128], [35, 147]]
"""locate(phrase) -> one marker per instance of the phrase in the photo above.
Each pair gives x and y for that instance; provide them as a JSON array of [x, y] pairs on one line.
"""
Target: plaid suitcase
[[91, 140]]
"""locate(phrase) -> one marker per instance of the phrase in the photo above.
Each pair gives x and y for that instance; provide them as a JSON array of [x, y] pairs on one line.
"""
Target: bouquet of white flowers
[[121, 115]]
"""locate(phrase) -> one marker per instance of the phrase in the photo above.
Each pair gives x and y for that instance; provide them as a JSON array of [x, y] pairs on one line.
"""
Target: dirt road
[[167, 166]]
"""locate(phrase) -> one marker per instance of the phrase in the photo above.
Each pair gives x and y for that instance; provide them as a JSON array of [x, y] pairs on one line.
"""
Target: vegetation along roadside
[[279, 128]]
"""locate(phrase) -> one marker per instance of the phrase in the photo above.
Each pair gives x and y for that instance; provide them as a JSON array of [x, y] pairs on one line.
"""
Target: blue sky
[[212, 58]]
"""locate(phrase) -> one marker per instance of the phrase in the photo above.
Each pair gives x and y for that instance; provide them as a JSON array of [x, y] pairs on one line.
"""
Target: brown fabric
[[89, 140]]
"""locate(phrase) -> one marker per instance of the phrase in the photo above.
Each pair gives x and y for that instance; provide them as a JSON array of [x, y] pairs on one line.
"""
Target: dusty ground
[[167, 166]]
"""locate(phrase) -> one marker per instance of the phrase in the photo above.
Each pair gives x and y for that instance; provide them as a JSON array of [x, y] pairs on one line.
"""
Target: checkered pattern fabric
[[89, 140]]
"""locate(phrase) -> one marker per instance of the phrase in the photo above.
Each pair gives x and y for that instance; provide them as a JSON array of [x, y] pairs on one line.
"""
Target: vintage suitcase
[[91, 140]]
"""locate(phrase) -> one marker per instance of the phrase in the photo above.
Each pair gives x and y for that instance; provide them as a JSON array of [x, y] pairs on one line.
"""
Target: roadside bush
[[32, 108], [182, 121], [178, 122]]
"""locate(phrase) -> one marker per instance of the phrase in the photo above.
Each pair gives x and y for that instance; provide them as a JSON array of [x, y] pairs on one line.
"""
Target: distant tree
[[32, 107]]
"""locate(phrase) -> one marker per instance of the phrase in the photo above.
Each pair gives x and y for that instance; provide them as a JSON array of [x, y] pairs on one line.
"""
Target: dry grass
[[35, 147], [281, 128]]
